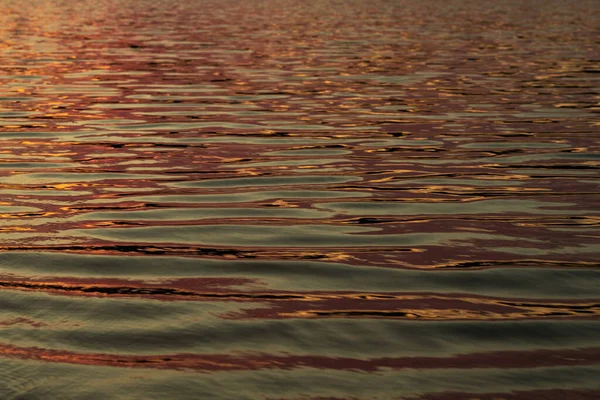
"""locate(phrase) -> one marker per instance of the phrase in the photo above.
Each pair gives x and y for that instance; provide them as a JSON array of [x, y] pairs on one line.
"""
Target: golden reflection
[[524, 312], [392, 178], [311, 255], [36, 214], [15, 229], [71, 186], [283, 204]]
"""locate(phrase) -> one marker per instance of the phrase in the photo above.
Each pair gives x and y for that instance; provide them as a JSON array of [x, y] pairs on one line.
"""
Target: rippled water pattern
[[299, 199]]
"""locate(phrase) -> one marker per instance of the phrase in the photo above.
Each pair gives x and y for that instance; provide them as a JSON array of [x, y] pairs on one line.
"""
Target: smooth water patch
[[251, 196], [401, 208], [191, 214], [458, 182], [282, 236], [158, 384], [515, 145], [16, 209]]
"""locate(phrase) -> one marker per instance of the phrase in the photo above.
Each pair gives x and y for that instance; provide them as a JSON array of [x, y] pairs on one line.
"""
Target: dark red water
[[299, 199]]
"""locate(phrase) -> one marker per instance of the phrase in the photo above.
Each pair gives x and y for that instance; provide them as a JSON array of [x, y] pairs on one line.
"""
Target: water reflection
[[299, 199]]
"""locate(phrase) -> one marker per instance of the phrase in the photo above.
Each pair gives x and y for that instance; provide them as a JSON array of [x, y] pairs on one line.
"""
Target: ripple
[[251, 196], [270, 181], [452, 208], [191, 214], [44, 178], [293, 200]]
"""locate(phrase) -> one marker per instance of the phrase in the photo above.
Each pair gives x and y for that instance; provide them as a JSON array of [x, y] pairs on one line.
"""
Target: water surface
[[299, 200]]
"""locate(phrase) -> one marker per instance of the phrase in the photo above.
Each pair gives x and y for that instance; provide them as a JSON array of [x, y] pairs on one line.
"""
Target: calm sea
[[294, 200]]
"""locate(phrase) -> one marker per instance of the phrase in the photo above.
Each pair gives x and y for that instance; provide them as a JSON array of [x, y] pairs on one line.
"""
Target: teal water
[[275, 199]]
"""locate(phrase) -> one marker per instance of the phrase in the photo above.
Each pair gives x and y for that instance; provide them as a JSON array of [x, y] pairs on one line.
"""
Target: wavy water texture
[[277, 199]]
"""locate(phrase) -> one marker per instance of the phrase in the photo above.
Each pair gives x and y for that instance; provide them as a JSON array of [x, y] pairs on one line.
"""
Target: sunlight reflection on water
[[299, 200]]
